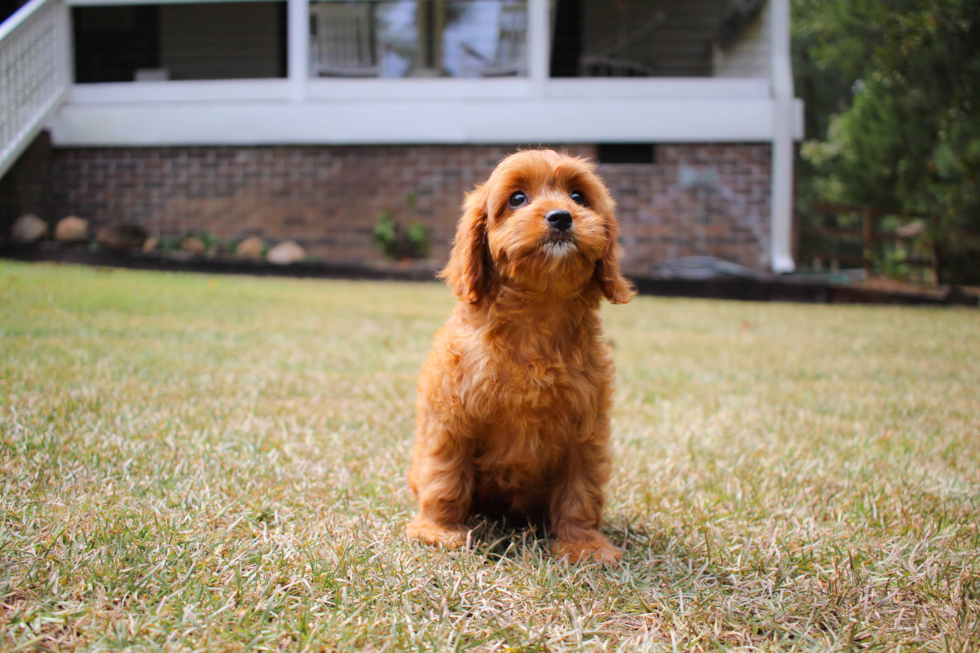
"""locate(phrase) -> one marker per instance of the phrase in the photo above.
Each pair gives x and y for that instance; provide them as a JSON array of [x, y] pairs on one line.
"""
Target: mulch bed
[[788, 289]]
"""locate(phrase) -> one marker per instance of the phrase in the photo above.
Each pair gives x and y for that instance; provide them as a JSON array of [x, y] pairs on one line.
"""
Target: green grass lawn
[[197, 463]]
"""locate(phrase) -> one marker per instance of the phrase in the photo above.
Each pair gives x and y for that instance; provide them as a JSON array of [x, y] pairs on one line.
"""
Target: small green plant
[[418, 237], [384, 236], [894, 264], [171, 243], [396, 243], [212, 244]]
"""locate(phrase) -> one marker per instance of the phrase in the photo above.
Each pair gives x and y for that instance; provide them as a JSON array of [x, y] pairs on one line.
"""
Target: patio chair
[[342, 40], [510, 58]]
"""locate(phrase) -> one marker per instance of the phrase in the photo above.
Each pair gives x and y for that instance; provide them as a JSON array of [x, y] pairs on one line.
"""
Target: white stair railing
[[34, 73]]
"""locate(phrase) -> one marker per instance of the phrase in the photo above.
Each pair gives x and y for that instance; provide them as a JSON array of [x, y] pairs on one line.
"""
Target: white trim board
[[785, 114], [402, 122], [512, 88], [150, 93], [720, 88]]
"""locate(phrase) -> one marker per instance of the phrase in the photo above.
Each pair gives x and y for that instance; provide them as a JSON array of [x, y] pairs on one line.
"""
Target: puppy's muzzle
[[559, 219]]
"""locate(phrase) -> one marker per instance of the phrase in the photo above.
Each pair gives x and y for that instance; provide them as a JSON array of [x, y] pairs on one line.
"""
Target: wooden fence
[[869, 235]]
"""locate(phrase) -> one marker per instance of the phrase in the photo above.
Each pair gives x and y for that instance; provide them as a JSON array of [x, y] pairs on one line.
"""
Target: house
[[307, 119]]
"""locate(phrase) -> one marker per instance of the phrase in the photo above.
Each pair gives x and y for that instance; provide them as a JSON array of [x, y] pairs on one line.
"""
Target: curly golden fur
[[514, 398]]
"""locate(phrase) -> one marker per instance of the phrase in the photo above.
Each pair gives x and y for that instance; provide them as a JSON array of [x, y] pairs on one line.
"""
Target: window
[[418, 38], [659, 38], [626, 153], [223, 40]]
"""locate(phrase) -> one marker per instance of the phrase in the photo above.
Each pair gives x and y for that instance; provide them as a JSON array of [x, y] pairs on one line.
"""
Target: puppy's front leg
[[576, 508], [442, 478]]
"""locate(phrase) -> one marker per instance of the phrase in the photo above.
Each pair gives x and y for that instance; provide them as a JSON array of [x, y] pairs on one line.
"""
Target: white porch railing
[[34, 73]]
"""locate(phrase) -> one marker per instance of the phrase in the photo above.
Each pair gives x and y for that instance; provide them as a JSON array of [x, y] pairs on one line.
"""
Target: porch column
[[298, 36], [64, 41], [781, 206], [538, 45]]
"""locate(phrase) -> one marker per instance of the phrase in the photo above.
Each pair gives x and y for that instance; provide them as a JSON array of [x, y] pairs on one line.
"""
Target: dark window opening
[[566, 43], [227, 40], [282, 53], [112, 43], [658, 38], [8, 7], [627, 153]]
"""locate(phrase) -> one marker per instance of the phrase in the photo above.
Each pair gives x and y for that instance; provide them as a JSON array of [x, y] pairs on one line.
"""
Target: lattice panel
[[30, 79]]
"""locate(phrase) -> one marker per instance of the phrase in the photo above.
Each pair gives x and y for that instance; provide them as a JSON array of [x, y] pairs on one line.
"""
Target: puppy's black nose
[[560, 219]]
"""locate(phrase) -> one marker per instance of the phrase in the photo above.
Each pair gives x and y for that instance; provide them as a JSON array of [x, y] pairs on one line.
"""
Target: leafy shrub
[[384, 236], [418, 237], [171, 243], [396, 243], [893, 264], [211, 242]]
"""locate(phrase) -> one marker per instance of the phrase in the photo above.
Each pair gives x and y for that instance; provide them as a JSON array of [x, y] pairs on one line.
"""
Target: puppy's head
[[543, 223]]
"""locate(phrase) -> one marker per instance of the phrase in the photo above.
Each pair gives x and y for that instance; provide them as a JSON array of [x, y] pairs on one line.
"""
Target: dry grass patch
[[191, 463]]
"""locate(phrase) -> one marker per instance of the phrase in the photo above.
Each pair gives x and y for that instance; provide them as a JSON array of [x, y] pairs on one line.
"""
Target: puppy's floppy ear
[[610, 280], [470, 273]]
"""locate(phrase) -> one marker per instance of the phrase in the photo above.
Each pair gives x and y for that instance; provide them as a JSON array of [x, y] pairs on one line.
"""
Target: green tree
[[893, 89], [832, 43]]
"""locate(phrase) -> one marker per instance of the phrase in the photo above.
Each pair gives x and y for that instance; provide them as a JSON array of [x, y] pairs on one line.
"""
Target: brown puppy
[[514, 399]]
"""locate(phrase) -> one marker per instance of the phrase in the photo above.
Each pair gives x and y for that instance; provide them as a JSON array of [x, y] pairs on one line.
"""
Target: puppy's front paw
[[598, 548], [436, 534]]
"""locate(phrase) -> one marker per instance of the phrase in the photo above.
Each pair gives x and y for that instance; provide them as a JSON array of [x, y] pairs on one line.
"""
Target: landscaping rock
[[151, 244], [194, 245], [121, 236], [29, 229], [250, 248], [72, 229], [286, 253]]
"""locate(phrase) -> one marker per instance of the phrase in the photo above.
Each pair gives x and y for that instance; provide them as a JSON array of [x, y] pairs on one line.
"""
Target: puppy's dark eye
[[578, 197], [517, 200]]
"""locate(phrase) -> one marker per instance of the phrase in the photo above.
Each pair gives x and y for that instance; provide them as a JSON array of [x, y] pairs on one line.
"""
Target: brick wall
[[26, 187], [328, 198], [725, 215]]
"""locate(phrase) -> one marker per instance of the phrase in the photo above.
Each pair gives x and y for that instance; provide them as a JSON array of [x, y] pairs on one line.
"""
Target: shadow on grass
[[509, 536], [514, 536]]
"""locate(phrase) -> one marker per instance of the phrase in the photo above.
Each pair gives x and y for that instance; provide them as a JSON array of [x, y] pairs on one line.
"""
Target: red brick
[[328, 197]]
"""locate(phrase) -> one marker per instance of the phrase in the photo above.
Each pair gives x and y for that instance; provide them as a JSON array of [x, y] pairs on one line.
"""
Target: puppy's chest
[[525, 386], [534, 414], [533, 406]]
